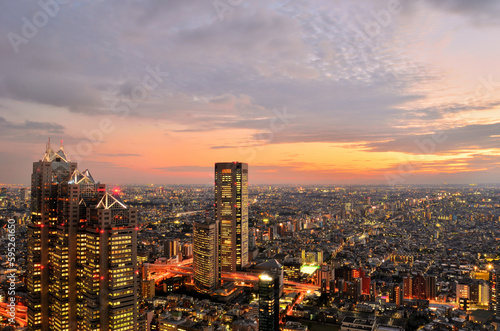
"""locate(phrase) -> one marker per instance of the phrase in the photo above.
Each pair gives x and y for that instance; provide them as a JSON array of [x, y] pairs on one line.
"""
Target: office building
[[48, 173], [396, 294], [110, 278], [206, 269], [81, 254], [430, 287], [231, 207], [172, 247], [23, 194], [484, 293], [269, 302]]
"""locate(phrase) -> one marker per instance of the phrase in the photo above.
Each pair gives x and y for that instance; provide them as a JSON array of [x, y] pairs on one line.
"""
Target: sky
[[335, 92]]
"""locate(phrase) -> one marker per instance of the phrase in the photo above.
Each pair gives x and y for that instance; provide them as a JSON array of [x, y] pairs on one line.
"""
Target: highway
[[21, 313]]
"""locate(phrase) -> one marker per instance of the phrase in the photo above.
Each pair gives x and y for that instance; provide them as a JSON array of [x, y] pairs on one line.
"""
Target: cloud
[[456, 140], [223, 147], [312, 57], [42, 127], [481, 12]]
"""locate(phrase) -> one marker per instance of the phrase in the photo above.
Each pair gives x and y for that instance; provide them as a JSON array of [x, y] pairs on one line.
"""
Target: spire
[[51, 155]]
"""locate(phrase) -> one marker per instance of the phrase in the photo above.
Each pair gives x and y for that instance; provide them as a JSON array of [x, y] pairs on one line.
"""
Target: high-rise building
[[110, 279], [419, 287], [48, 173], [396, 294], [365, 285], [81, 256], [231, 206], [269, 302], [484, 293], [463, 291], [408, 287], [172, 247], [206, 269], [430, 287], [474, 292], [23, 194]]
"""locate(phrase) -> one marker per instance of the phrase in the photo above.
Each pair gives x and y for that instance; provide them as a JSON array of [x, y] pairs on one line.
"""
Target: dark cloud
[[235, 72], [481, 12], [223, 147], [469, 137], [32, 126]]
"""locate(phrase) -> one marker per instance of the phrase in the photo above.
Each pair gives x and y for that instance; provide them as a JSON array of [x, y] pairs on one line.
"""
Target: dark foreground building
[[82, 251]]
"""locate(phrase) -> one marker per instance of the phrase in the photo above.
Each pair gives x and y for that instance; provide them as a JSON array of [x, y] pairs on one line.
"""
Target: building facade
[[231, 206], [206, 269], [81, 255], [269, 302]]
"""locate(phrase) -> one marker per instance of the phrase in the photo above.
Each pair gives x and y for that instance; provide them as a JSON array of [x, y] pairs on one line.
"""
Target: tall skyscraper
[[48, 173], [269, 302], [81, 257], [206, 256], [231, 204], [110, 275]]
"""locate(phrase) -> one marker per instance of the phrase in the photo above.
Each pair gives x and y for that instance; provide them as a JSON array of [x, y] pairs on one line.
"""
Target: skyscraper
[[109, 268], [231, 204], [81, 257], [206, 256], [48, 173], [269, 302]]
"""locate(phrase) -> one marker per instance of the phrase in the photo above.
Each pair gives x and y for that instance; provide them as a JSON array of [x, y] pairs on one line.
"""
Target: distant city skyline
[[306, 92]]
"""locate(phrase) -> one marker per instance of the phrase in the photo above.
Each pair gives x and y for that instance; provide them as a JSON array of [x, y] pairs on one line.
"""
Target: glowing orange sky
[[416, 102]]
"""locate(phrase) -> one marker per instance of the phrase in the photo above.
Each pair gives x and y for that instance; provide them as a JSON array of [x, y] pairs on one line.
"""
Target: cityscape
[[235, 256], [237, 165]]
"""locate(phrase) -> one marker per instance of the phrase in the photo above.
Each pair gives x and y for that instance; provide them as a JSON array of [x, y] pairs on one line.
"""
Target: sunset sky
[[305, 91]]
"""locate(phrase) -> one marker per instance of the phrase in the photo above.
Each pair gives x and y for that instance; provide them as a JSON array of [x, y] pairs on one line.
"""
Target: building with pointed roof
[[81, 259]]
